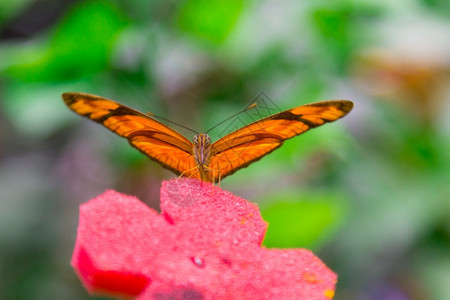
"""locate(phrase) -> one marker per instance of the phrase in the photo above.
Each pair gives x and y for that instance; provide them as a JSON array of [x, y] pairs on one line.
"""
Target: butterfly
[[200, 158]]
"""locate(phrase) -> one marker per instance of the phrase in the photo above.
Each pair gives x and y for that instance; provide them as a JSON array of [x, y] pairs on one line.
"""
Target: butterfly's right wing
[[159, 142]]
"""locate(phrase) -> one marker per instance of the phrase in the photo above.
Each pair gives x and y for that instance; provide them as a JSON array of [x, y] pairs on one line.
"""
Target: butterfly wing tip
[[68, 98], [346, 106]]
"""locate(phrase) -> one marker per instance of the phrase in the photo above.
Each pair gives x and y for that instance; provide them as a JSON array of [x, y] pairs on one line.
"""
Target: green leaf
[[80, 46], [9, 9], [211, 20], [303, 223], [37, 111], [341, 28]]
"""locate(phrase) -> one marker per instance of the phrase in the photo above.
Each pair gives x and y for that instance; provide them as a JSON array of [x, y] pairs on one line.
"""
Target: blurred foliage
[[369, 194], [298, 223], [209, 20], [340, 28], [87, 51], [437, 6]]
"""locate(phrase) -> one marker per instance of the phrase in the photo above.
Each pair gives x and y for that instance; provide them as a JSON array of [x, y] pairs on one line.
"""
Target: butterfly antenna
[[253, 105], [170, 121]]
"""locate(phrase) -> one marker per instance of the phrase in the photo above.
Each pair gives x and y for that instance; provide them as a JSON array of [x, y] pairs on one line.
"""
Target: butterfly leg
[[214, 176], [182, 174], [220, 176], [214, 171], [198, 170]]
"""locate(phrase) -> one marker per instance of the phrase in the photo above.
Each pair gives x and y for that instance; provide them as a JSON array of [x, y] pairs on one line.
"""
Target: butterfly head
[[202, 140]]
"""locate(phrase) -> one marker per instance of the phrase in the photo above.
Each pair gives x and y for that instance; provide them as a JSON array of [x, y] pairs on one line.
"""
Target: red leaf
[[205, 244]]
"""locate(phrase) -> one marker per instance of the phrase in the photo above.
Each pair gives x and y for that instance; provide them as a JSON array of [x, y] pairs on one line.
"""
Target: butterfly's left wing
[[250, 143], [156, 140]]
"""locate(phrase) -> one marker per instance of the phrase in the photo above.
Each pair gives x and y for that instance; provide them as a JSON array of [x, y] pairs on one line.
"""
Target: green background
[[369, 194]]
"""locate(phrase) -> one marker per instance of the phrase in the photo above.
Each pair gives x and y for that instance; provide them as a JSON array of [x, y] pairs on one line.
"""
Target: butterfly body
[[202, 159], [202, 153]]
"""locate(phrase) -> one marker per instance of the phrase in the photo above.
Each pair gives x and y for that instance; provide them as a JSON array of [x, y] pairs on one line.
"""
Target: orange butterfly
[[200, 158]]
